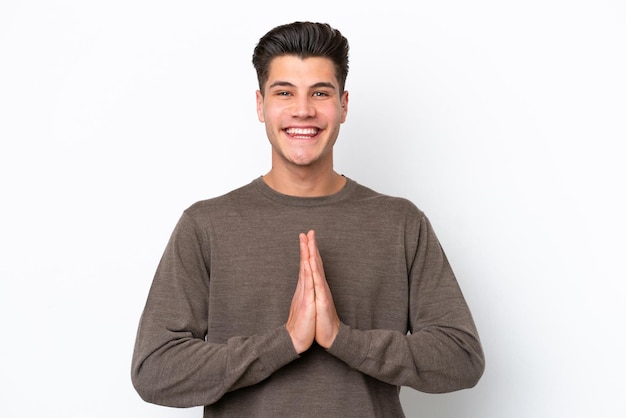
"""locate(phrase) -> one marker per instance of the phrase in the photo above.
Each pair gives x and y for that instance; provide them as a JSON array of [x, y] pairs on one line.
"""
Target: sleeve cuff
[[278, 350], [350, 346]]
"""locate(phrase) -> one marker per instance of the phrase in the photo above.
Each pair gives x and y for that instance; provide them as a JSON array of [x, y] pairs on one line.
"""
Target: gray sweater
[[213, 329]]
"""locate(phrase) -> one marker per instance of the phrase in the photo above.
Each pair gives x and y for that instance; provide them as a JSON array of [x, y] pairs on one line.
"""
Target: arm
[[442, 353], [172, 363]]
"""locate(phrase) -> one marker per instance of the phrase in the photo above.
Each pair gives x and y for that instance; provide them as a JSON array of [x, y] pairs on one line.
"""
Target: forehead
[[309, 70]]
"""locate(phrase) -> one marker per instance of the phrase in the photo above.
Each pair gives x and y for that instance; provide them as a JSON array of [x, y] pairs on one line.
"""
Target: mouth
[[302, 133]]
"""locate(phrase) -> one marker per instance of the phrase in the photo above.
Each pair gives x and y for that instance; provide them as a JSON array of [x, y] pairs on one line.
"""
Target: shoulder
[[223, 204], [385, 203]]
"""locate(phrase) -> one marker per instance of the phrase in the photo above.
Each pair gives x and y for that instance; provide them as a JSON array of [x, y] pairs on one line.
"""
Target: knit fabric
[[213, 329]]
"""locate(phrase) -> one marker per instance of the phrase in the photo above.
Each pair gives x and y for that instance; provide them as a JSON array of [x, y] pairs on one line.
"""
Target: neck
[[302, 182]]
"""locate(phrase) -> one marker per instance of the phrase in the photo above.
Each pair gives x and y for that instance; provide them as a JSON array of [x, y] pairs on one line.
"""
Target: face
[[302, 109]]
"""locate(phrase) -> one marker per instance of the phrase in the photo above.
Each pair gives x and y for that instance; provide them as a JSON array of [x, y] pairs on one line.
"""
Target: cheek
[[336, 115], [270, 115]]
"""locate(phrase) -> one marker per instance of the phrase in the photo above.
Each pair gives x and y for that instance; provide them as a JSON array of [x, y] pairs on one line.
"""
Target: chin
[[303, 160]]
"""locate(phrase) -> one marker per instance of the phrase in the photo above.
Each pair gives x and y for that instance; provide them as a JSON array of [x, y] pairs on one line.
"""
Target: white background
[[503, 120]]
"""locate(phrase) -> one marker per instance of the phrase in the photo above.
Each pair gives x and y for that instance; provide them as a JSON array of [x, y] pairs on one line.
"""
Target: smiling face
[[302, 108]]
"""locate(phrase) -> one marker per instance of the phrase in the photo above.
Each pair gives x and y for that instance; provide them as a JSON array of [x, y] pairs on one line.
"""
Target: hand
[[312, 315], [326, 318], [301, 321]]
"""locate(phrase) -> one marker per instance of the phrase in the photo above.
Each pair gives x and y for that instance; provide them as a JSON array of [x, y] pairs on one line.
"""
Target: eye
[[320, 94]]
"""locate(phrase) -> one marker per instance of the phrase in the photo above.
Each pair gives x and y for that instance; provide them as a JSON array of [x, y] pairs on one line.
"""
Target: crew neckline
[[263, 188]]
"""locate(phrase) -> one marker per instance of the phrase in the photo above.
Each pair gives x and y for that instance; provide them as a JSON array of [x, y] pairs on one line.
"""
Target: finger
[[312, 243], [305, 262], [314, 254], [316, 263], [306, 280]]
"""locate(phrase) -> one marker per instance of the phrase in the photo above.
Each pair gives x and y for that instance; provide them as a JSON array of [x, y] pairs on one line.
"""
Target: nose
[[303, 107]]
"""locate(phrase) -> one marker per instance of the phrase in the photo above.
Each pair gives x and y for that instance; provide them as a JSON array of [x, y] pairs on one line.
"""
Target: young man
[[242, 319]]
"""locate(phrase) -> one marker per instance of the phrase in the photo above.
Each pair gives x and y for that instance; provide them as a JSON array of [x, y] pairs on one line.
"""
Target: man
[[243, 320]]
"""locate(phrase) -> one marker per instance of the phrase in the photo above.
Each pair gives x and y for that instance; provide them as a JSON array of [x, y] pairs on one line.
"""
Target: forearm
[[175, 369], [435, 359]]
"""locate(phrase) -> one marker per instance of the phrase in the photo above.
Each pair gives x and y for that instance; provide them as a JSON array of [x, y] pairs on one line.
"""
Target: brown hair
[[304, 40]]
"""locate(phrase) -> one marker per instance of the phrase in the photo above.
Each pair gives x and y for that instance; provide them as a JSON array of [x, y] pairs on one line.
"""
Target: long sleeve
[[442, 351], [213, 329], [173, 363]]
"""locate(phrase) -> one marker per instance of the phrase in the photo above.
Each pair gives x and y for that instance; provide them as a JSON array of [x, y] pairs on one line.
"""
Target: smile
[[303, 133]]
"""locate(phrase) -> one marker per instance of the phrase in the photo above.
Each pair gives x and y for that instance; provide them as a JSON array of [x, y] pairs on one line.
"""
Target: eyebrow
[[316, 85]]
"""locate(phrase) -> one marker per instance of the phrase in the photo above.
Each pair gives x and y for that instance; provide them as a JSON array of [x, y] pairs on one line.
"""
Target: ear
[[344, 106], [259, 106]]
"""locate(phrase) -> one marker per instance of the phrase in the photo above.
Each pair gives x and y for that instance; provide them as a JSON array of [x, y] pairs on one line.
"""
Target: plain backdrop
[[503, 120]]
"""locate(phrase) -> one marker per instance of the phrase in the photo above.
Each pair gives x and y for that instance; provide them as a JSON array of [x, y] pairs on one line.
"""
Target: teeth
[[302, 131]]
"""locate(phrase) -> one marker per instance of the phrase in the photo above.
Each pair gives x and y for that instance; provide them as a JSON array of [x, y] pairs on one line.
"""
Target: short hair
[[303, 40]]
